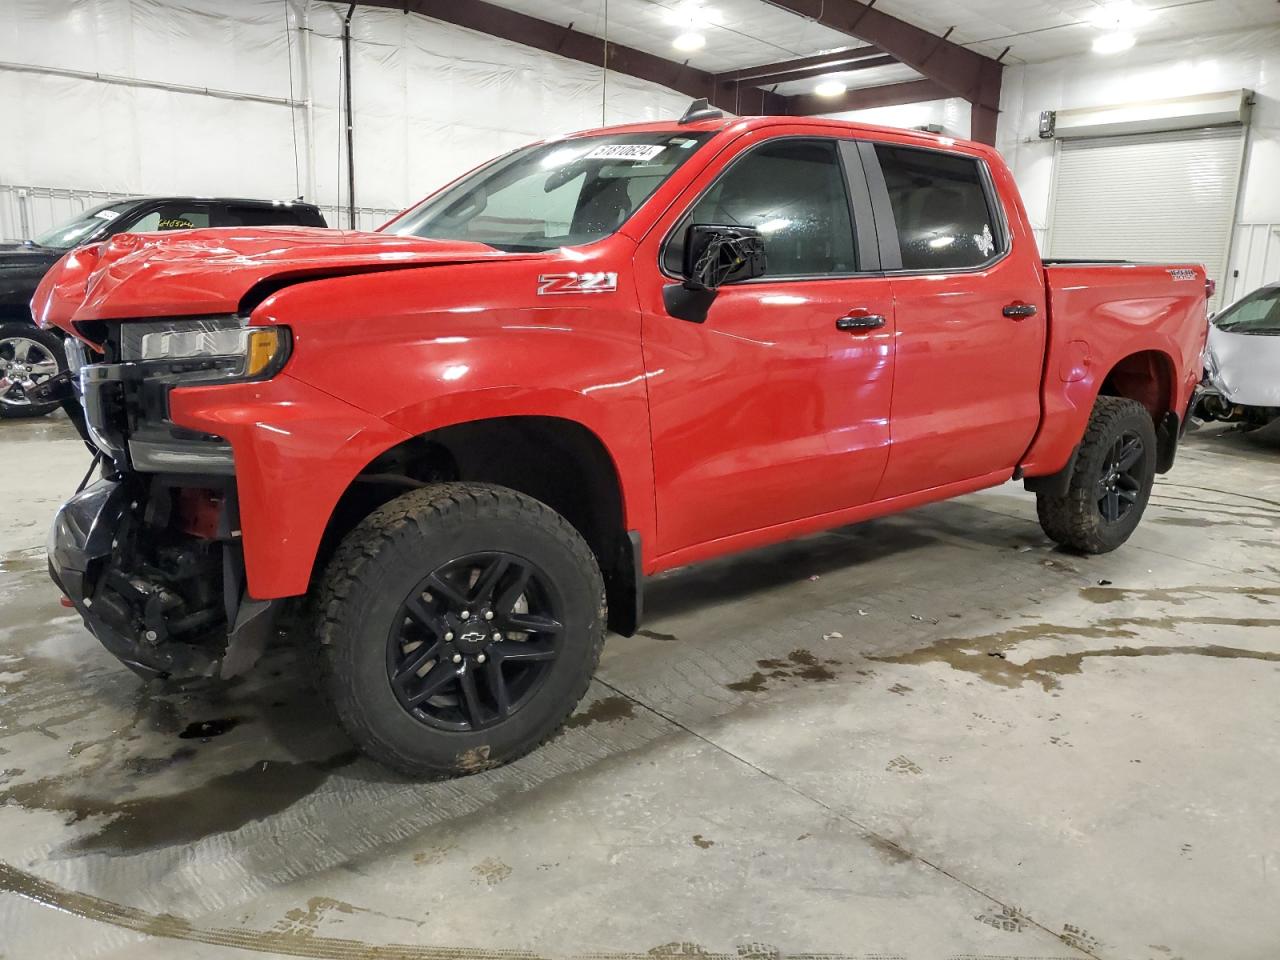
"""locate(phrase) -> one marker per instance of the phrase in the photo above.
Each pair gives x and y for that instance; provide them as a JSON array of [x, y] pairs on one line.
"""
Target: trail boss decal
[[1182, 274], [577, 283]]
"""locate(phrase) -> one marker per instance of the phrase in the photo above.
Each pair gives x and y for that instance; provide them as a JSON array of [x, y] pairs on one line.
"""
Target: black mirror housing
[[718, 254]]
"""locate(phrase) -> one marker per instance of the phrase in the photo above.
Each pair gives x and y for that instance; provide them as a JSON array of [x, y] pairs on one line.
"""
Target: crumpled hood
[[202, 272], [1245, 367]]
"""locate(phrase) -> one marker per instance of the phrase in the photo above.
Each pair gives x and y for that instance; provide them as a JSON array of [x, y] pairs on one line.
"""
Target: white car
[[1242, 361]]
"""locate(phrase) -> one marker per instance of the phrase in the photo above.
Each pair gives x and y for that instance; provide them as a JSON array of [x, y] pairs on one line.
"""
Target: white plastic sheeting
[[952, 115], [431, 100], [1248, 60]]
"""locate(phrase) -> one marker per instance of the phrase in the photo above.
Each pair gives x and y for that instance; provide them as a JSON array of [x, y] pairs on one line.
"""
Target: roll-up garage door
[[1150, 196]]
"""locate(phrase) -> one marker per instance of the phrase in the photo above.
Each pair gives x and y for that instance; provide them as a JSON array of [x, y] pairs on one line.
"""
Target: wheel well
[[556, 461], [1148, 377]]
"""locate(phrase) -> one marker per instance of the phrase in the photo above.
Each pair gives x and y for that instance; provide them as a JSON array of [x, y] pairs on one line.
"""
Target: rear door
[[776, 407], [970, 315]]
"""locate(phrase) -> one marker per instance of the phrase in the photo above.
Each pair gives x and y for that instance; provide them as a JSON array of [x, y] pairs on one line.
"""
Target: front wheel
[[28, 357], [459, 625], [1111, 483]]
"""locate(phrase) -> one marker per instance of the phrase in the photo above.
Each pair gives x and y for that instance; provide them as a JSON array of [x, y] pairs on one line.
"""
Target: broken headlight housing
[[217, 348]]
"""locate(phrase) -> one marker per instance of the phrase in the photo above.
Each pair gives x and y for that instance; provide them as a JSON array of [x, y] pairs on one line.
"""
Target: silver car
[[1242, 361]]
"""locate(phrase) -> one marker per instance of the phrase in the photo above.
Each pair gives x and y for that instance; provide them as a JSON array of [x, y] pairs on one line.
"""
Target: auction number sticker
[[640, 152]]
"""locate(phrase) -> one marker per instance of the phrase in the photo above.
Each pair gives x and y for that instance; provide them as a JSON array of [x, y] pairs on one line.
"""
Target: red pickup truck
[[467, 437]]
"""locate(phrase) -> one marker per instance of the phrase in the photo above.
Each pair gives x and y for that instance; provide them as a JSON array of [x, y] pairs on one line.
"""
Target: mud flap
[[255, 621]]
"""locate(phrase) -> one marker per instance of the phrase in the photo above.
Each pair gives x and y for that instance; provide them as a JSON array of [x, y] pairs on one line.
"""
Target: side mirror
[[715, 255]]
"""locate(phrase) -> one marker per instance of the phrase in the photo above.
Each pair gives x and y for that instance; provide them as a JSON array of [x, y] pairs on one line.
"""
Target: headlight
[[219, 348]]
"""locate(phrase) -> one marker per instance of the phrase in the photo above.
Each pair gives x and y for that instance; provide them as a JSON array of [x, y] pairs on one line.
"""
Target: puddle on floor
[[216, 805], [987, 656]]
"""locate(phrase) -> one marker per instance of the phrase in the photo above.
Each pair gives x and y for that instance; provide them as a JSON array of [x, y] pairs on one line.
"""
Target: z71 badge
[[1182, 274], [600, 282]]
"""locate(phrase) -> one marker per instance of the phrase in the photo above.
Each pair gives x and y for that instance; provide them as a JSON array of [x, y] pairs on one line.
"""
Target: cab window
[[558, 194], [791, 190], [944, 217], [173, 217]]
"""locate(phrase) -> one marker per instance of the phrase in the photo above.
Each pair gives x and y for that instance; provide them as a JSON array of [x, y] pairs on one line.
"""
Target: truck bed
[[1109, 320]]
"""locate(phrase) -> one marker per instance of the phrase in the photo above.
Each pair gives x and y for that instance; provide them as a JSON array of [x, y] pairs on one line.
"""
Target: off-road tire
[[376, 567], [51, 342], [1076, 520]]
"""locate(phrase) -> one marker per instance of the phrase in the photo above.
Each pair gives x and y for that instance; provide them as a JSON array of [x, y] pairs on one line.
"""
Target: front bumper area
[[162, 602]]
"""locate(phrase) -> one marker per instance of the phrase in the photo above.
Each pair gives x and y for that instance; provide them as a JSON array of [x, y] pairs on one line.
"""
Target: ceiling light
[[1120, 15], [1113, 42], [830, 88], [689, 42]]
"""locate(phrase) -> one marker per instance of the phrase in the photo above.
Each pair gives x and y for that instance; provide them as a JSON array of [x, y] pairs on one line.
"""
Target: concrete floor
[[931, 735]]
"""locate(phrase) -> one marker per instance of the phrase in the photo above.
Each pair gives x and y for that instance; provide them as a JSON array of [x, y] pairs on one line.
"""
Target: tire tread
[[1070, 520], [420, 510]]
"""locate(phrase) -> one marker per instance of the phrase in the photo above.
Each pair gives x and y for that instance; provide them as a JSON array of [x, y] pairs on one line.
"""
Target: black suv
[[29, 355]]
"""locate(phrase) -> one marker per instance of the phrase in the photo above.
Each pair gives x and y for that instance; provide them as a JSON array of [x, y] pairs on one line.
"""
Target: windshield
[[550, 195], [84, 225], [1259, 312]]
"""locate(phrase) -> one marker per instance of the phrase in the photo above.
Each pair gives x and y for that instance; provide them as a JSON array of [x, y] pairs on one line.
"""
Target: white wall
[[431, 101], [952, 115], [1249, 60]]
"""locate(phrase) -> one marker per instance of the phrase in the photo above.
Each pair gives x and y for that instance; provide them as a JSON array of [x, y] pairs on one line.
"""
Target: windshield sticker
[[640, 152], [599, 282], [986, 243], [106, 214]]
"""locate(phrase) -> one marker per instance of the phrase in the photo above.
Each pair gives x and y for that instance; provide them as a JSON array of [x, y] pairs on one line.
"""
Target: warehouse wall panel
[[210, 97], [1246, 60]]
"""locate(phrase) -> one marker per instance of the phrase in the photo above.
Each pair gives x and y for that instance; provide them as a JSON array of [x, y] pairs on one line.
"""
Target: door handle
[[1018, 311], [860, 321]]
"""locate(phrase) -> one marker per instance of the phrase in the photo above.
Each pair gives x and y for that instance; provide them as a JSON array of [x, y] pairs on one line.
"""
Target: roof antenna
[[701, 109]]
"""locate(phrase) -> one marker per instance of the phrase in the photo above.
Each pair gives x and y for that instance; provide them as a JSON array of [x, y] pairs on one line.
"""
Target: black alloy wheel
[[474, 641], [1121, 481], [1111, 478]]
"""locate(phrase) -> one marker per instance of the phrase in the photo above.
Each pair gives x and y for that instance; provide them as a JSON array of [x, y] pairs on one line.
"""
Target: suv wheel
[[459, 626], [1111, 483], [28, 357]]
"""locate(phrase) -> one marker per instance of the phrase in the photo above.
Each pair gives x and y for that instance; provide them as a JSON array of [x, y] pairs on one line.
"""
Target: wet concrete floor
[[931, 735]]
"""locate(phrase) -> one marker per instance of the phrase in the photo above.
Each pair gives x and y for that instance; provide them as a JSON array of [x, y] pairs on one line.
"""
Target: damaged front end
[[150, 554], [165, 599]]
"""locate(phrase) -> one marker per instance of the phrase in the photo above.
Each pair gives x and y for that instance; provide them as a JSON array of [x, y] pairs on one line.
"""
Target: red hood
[[202, 272]]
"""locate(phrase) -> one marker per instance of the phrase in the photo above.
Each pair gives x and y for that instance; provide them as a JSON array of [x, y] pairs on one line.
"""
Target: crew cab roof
[[744, 124]]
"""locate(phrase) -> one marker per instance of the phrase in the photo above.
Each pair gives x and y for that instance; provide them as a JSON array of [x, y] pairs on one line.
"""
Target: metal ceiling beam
[[959, 71], [788, 75], [564, 41], [886, 95], [851, 55]]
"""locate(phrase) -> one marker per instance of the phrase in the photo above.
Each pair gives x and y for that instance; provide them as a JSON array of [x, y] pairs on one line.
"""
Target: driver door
[[775, 409]]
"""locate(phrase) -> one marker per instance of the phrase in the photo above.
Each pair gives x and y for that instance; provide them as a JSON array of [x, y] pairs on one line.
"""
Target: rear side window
[[944, 217], [793, 192], [172, 217], [252, 215]]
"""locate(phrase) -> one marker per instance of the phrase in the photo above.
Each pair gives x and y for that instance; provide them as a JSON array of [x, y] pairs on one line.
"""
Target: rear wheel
[[28, 357], [459, 626], [1111, 483]]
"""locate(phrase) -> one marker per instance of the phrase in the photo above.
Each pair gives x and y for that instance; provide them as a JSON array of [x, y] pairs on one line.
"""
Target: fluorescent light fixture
[[1120, 15], [830, 88], [774, 225], [688, 42], [1114, 42], [937, 243]]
